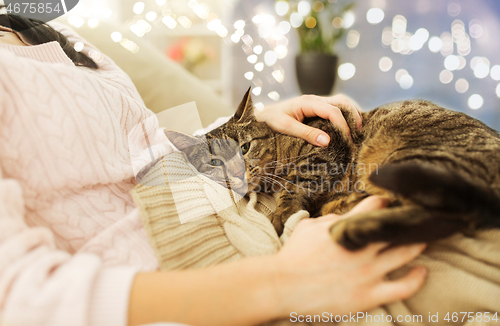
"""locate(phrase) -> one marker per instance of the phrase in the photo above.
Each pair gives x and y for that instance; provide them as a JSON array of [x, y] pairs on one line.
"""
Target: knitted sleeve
[[193, 221], [41, 285], [44, 154]]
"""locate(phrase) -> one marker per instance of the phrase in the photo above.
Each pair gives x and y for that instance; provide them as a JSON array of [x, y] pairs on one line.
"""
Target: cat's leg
[[288, 204], [396, 225]]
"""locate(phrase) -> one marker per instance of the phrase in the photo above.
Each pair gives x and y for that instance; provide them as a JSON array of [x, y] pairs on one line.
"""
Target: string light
[[385, 64], [451, 62], [495, 72], [406, 81], [304, 8], [252, 58], [454, 45], [151, 16], [435, 44], [138, 8], [249, 75], [462, 85], [346, 71], [400, 73], [78, 46], [282, 7], [116, 36], [475, 101], [375, 15], [445, 76], [256, 91], [257, 49], [239, 24], [352, 39], [274, 96], [278, 75], [348, 19], [270, 58]]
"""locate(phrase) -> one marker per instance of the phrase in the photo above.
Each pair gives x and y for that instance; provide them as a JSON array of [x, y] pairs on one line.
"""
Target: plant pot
[[316, 72]]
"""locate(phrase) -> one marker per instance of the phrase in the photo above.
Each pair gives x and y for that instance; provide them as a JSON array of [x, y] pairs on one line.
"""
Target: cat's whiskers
[[277, 176], [266, 178]]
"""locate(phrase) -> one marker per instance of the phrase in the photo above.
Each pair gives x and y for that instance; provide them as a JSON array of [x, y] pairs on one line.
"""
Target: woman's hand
[[310, 275], [315, 275], [286, 117]]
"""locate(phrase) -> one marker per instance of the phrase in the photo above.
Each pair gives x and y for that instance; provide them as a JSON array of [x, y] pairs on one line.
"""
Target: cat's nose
[[241, 174]]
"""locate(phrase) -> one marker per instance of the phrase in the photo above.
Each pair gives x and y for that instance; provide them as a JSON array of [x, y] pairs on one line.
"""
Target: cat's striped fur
[[440, 168]]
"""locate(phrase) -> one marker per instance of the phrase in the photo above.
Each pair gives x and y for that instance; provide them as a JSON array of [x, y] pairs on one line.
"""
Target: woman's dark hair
[[37, 32]]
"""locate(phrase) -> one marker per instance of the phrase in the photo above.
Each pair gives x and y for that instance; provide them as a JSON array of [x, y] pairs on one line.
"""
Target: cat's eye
[[216, 162], [245, 148]]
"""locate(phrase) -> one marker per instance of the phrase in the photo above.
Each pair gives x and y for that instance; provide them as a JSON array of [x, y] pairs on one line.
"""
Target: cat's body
[[440, 168]]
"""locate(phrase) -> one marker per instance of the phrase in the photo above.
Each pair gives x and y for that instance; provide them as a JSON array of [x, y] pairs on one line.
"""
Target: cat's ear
[[181, 140], [245, 109]]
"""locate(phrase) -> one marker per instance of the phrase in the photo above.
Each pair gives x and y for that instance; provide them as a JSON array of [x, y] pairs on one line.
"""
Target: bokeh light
[[256, 91], [348, 19], [304, 8], [451, 62], [270, 58], [406, 81], [385, 64], [435, 44], [475, 101], [375, 15], [495, 72], [445, 76], [259, 66], [138, 8], [282, 8], [399, 74], [352, 39], [462, 85], [346, 71], [296, 20]]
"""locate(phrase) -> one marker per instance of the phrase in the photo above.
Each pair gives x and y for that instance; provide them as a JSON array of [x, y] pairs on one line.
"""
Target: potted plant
[[323, 24]]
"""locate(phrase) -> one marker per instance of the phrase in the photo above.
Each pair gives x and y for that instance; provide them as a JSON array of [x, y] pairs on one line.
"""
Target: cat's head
[[238, 154]]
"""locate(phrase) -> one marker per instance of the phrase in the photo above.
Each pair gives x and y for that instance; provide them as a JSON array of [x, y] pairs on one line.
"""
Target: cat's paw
[[277, 223], [355, 234]]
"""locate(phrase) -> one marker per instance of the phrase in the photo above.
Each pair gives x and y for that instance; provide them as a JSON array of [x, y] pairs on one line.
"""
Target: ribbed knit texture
[[48, 52], [194, 222]]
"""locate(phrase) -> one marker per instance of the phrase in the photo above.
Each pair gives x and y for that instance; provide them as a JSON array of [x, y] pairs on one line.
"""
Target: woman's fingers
[[403, 288], [396, 257], [314, 106], [330, 218], [292, 127], [344, 101], [369, 204]]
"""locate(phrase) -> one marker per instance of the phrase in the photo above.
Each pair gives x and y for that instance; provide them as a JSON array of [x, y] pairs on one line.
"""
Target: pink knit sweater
[[71, 239]]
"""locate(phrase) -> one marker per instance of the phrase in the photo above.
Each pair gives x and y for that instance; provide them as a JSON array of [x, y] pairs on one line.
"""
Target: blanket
[[193, 222]]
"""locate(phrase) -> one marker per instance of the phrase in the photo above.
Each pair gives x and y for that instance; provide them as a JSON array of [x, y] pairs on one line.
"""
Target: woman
[[72, 247]]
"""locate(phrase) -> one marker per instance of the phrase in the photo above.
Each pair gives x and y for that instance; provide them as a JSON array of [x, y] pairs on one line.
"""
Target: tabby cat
[[440, 168]]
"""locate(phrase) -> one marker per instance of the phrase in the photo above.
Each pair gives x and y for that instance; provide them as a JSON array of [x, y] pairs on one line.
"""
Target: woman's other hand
[[287, 116], [316, 275]]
